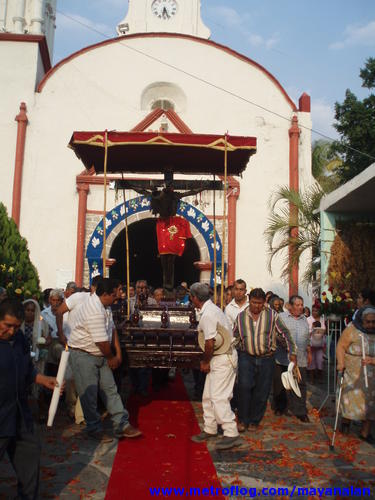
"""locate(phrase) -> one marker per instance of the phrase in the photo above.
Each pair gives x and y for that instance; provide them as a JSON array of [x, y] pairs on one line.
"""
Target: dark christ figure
[[172, 230]]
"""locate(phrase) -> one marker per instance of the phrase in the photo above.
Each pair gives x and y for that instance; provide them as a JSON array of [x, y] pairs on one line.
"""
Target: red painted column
[[294, 133], [22, 121], [234, 193], [83, 190]]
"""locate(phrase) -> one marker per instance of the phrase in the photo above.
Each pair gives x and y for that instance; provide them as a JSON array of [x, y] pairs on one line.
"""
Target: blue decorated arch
[[143, 204]]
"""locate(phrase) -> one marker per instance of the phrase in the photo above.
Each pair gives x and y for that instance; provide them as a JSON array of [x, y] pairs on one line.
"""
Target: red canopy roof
[[153, 152]]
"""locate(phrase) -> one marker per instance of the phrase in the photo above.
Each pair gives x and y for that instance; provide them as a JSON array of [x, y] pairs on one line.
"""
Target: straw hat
[[223, 340], [293, 381]]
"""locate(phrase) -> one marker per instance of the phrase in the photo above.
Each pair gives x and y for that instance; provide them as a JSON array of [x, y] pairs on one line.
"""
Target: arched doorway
[[138, 209], [144, 261]]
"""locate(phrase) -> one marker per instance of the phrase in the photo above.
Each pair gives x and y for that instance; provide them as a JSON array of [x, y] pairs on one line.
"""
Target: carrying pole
[[127, 253], [105, 205], [224, 222], [215, 254]]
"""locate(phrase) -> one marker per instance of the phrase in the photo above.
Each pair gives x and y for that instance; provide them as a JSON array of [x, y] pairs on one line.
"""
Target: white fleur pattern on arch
[[142, 204], [205, 226], [95, 242], [192, 213]]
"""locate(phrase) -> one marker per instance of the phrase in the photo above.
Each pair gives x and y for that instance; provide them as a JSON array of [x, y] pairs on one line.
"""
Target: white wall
[[19, 67], [102, 89]]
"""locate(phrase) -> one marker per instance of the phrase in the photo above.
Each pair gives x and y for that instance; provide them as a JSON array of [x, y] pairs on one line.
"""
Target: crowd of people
[[263, 341]]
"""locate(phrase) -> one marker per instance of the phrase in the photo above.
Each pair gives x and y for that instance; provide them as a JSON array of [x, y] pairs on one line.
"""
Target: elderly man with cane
[[219, 361], [17, 373]]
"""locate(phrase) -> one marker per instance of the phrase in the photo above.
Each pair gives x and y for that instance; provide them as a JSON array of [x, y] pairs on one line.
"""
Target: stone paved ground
[[283, 452]]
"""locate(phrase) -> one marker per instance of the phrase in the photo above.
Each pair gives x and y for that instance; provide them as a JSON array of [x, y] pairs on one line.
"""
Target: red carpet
[[164, 457]]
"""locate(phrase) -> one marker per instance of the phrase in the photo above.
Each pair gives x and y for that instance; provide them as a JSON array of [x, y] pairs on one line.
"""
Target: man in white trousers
[[220, 364]]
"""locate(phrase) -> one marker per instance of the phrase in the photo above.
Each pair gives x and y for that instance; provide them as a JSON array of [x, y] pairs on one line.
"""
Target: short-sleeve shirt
[[233, 310], [92, 323], [73, 302], [210, 316], [311, 320]]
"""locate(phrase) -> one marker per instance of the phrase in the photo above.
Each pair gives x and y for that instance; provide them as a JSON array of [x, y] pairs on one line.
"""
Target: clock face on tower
[[164, 9]]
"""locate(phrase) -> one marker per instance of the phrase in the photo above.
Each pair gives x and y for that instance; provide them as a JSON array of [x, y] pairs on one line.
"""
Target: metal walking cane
[[332, 445]]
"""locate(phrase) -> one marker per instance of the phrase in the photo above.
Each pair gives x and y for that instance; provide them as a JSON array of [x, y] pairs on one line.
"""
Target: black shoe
[[304, 418], [253, 426]]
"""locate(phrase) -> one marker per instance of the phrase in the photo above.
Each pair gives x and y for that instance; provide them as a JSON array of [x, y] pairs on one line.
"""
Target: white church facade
[[161, 73]]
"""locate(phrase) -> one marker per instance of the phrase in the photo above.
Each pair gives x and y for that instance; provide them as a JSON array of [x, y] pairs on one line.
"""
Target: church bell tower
[[29, 17], [164, 16]]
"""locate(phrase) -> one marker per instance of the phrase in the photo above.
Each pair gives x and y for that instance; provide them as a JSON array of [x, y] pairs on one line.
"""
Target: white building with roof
[[162, 72]]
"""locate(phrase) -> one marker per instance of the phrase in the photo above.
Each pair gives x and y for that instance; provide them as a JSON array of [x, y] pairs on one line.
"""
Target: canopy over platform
[[153, 152]]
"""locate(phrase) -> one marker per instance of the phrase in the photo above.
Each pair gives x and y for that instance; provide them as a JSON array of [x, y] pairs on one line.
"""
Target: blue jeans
[[92, 373], [255, 376]]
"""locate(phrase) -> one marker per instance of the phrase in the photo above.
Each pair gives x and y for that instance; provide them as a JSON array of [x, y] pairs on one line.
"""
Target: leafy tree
[[356, 125], [284, 220], [17, 273], [325, 164]]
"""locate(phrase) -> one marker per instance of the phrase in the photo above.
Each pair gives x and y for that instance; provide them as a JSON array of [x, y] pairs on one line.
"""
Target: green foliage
[[17, 273], [356, 125], [368, 74], [325, 165], [282, 222]]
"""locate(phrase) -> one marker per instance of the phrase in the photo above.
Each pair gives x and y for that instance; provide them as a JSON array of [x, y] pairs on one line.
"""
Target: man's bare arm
[[116, 345], [106, 350], [207, 355], [59, 322]]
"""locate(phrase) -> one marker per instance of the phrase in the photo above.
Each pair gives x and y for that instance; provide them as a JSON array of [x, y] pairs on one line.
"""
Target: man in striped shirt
[[256, 328], [92, 362]]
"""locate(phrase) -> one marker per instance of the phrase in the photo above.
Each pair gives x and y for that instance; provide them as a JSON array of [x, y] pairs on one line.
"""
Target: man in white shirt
[[92, 362], [54, 346], [66, 312], [65, 318], [221, 372], [238, 303], [49, 313]]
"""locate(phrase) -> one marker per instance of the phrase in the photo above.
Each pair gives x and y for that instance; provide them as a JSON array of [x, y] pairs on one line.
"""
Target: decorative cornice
[[39, 39]]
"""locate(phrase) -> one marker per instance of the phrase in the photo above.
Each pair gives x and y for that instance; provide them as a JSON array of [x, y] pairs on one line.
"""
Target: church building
[[163, 73]]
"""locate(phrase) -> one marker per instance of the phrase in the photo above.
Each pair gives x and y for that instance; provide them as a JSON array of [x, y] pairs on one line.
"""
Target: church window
[[163, 104]]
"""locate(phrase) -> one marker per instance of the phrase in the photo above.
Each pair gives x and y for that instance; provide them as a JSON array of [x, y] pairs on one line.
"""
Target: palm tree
[[293, 228], [325, 164]]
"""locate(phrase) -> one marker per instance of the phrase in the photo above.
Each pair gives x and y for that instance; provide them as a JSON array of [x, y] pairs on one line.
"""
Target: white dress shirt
[[232, 310]]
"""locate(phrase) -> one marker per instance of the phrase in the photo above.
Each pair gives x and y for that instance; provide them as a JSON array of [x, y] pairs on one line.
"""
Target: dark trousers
[[295, 404], [140, 379], [255, 376], [167, 264], [279, 398], [24, 454], [159, 378]]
